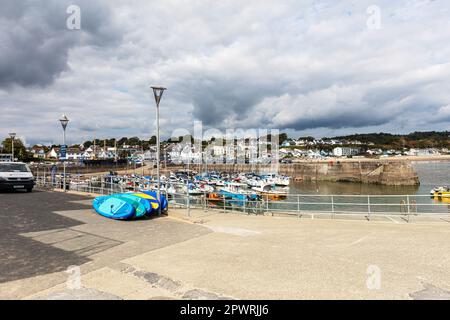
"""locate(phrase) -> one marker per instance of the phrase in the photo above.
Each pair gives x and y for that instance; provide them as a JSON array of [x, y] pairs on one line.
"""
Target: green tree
[[20, 152]]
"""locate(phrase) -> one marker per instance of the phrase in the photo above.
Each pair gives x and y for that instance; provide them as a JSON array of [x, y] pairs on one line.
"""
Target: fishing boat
[[237, 191], [271, 192]]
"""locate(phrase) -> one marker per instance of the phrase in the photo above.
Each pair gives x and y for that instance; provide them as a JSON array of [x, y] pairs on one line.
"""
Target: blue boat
[[236, 193]]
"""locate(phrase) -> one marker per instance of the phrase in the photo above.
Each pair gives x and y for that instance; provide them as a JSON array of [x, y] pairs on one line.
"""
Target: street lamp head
[[158, 92], [64, 121], [12, 135]]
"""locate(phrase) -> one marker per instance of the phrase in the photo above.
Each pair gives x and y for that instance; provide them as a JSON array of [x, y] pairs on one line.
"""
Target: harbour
[[217, 154], [245, 192]]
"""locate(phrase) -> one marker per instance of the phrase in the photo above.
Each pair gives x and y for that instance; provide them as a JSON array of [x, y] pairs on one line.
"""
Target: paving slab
[[214, 255]]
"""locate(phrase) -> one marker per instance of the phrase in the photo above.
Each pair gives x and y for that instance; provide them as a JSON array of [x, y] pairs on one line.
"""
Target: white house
[[345, 151], [53, 154], [423, 152]]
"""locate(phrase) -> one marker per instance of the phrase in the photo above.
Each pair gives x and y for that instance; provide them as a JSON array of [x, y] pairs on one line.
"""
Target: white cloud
[[305, 66]]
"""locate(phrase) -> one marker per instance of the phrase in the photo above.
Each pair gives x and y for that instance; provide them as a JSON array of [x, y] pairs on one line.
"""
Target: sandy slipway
[[214, 255]]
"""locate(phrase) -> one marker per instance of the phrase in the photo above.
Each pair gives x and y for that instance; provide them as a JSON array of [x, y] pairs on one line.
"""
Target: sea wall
[[394, 173]]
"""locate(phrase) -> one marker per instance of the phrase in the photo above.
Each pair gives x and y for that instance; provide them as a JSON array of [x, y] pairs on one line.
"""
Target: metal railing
[[366, 206]]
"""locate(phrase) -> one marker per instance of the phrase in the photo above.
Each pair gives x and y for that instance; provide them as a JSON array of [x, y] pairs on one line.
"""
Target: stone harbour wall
[[395, 173]]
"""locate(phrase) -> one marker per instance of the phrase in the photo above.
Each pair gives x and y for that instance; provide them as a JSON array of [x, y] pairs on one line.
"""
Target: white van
[[16, 176]]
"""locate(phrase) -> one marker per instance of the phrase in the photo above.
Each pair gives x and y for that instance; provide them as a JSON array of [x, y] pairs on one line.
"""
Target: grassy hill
[[431, 139]]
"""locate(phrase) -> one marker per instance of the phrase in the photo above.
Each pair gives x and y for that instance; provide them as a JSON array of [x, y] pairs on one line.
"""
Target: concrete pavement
[[229, 256]]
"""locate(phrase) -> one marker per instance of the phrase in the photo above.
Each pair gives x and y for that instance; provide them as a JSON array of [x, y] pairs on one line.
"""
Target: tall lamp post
[[158, 92], [12, 135], [64, 122], [188, 176]]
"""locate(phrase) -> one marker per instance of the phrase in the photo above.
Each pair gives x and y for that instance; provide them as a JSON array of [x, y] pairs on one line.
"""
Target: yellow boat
[[440, 192], [444, 194]]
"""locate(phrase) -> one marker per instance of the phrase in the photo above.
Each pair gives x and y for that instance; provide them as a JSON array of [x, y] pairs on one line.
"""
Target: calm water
[[316, 196], [431, 174]]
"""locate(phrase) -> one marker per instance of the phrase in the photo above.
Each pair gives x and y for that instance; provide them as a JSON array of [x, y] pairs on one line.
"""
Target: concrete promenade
[[213, 255]]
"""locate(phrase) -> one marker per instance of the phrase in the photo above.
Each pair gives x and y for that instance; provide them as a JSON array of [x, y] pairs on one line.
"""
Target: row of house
[[251, 151], [74, 153], [320, 142]]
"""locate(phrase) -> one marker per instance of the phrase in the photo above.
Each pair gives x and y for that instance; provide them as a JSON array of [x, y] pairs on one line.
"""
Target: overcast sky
[[313, 67]]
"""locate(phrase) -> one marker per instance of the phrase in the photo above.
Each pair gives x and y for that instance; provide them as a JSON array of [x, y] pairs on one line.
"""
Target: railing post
[[245, 199], [298, 206], [368, 207], [408, 208], [224, 205], [332, 206]]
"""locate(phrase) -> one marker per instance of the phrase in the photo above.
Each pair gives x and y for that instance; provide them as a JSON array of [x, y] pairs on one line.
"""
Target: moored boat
[[271, 192], [440, 192]]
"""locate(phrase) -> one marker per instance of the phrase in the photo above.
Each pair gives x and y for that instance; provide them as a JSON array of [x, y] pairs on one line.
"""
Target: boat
[[237, 191], [206, 188], [440, 192], [277, 180], [193, 190], [271, 192], [78, 184]]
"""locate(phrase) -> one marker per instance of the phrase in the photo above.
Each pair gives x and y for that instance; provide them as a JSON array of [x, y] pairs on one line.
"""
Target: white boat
[[206, 188], [193, 190], [271, 191], [78, 184], [171, 190], [282, 181], [277, 179]]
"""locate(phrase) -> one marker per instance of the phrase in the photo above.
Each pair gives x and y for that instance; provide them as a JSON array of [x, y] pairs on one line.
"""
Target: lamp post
[[12, 135], [64, 122], [188, 176], [158, 92]]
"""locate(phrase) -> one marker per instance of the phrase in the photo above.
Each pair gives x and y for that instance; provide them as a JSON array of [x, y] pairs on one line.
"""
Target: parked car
[[16, 176]]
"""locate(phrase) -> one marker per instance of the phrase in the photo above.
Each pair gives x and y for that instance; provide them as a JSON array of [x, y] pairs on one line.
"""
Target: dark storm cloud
[[230, 100], [35, 41], [308, 65]]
